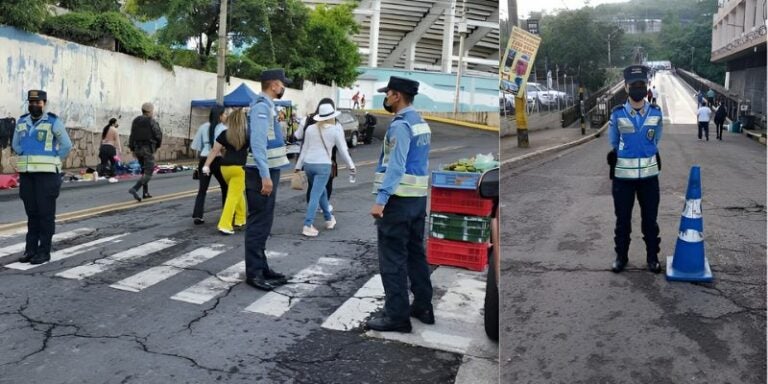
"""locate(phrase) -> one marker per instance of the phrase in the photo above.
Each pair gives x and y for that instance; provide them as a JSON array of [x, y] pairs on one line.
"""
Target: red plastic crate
[[465, 202], [473, 256]]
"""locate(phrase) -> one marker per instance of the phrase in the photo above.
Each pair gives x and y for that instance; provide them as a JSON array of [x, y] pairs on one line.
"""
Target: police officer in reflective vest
[[634, 132], [41, 143], [262, 174], [146, 137], [400, 186]]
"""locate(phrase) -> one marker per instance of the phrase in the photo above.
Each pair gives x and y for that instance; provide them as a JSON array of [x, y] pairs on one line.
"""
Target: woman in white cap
[[319, 140]]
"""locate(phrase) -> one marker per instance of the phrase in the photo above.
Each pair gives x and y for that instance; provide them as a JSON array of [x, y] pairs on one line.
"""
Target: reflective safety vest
[[415, 180], [39, 144], [277, 153], [636, 154]]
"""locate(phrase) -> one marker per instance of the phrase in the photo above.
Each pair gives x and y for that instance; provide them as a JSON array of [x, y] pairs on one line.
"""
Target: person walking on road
[[320, 139], [234, 141], [703, 115], [262, 175], [720, 115], [634, 131], [146, 137], [334, 167], [655, 94], [110, 148], [41, 143], [202, 143], [710, 97], [401, 187]]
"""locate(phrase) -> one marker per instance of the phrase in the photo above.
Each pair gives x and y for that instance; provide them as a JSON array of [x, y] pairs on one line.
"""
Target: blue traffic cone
[[689, 262]]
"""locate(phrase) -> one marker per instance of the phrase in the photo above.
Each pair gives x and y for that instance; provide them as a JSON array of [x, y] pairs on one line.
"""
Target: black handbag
[[196, 174]]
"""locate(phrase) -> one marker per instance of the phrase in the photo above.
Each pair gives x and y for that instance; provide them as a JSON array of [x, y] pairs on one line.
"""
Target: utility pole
[[460, 69], [222, 55]]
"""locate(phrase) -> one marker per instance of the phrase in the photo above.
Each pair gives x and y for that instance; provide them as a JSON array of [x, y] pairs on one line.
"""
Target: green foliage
[[90, 5], [27, 15], [577, 43], [88, 28]]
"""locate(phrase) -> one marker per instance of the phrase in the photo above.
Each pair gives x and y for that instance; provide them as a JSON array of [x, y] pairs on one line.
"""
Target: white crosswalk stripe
[[170, 268], [368, 299], [213, 286], [281, 300], [101, 265], [71, 252], [58, 237]]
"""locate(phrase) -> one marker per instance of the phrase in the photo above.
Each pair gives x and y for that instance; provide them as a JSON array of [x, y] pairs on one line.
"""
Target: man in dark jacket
[[720, 115], [146, 137]]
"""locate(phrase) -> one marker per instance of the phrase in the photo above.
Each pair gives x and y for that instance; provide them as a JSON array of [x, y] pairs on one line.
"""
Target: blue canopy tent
[[242, 96]]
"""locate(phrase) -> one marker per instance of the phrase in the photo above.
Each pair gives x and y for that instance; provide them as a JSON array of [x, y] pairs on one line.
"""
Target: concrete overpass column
[[373, 56], [411, 58], [449, 24]]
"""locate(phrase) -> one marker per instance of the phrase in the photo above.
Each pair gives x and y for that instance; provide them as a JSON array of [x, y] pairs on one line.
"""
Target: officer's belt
[[410, 185], [636, 168]]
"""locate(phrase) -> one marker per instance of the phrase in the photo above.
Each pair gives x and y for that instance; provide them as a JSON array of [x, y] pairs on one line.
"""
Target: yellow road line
[[90, 212]]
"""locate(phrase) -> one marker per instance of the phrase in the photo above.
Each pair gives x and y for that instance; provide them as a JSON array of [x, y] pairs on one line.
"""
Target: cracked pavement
[[56, 330], [568, 319]]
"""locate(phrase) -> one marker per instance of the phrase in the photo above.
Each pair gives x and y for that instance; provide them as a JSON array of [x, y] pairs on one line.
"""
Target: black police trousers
[[402, 256], [39, 192], [647, 192], [261, 214]]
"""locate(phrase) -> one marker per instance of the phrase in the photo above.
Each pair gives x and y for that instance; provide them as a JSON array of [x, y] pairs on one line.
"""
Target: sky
[[524, 7]]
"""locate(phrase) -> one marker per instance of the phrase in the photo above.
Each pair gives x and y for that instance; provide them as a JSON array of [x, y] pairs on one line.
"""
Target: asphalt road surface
[[141, 295], [568, 319]]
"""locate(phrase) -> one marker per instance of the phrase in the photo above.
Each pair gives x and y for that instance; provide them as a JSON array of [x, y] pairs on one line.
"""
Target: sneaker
[[330, 224], [227, 232], [310, 231], [199, 220]]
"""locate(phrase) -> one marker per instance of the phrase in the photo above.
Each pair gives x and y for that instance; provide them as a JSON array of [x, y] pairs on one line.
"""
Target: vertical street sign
[[516, 67]]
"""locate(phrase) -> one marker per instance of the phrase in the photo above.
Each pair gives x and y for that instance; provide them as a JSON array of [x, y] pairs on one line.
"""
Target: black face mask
[[281, 93], [35, 110], [387, 108], [637, 94]]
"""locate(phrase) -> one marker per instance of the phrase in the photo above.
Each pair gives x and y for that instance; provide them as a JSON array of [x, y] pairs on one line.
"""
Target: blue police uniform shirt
[[45, 137], [635, 133], [266, 137], [408, 152]]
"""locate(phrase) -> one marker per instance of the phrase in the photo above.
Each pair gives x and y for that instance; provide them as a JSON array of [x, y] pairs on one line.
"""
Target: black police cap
[[400, 84], [274, 74], [635, 73], [36, 94]]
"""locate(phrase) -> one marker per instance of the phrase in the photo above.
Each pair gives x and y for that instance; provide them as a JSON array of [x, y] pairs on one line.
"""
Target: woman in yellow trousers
[[233, 144]]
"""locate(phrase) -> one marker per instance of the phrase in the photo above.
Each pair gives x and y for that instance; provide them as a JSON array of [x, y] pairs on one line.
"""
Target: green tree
[[90, 5], [27, 15]]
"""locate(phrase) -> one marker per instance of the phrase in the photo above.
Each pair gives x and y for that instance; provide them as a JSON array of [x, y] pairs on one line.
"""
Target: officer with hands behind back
[[400, 186], [42, 143], [634, 131]]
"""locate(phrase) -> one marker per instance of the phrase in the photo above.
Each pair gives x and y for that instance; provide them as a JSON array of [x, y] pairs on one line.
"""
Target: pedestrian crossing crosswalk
[[84, 255]]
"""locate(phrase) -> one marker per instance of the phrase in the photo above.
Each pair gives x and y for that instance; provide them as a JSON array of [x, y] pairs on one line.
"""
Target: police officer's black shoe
[[199, 221], [40, 258], [426, 316], [619, 264], [385, 324], [654, 266], [259, 282], [134, 194], [272, 275], [26, 257]]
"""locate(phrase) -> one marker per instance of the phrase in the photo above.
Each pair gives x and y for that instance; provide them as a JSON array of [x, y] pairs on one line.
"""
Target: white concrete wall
[[87, 86]]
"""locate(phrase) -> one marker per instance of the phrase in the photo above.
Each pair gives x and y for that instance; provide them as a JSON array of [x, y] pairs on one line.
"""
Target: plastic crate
[[463, 202], [472, 256], [455, 180], [460, 228]]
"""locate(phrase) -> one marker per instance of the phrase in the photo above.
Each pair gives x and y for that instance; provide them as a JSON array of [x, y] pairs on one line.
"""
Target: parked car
[[506, 104], [351, 126], [541, 95]]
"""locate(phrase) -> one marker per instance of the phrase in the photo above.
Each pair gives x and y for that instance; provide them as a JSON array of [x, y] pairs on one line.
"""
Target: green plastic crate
[[471, 229]]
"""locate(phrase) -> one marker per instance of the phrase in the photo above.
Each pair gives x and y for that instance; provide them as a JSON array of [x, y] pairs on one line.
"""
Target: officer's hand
[[377, 211], [266, 186], [207, 171]]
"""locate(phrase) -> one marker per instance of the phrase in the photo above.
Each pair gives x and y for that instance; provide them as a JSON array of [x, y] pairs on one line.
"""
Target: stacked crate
[[459, 221]]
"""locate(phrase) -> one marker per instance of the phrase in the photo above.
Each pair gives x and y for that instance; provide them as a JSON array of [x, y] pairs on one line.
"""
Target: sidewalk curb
[[556, 148], [461, 123]]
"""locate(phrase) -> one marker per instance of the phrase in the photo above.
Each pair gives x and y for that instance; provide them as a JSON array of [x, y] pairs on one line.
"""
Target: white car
[[541, 95]]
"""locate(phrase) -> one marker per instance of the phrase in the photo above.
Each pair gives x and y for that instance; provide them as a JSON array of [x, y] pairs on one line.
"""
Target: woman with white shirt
[[319, 140], [202, 143]]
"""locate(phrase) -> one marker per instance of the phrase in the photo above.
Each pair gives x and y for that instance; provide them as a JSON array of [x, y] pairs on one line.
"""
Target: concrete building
[[739, 41]]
